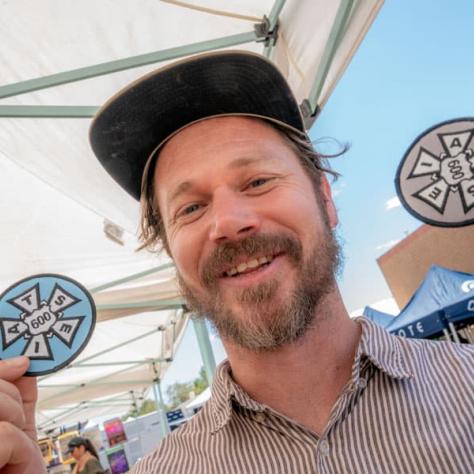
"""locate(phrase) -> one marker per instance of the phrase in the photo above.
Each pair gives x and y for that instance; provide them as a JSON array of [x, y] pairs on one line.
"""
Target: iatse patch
[[49, 318], [435, 180]]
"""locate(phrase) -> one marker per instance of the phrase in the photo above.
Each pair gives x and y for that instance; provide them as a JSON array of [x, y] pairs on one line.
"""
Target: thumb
[[14, 368]]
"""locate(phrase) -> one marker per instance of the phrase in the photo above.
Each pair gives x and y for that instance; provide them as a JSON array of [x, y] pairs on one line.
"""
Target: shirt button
[[362, 382], [260, 417], [324, 447]]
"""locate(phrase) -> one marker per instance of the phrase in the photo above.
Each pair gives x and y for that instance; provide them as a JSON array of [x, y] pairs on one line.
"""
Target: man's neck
[[302, 380]]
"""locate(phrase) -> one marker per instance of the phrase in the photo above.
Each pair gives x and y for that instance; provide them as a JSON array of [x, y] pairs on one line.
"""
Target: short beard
[[267, 322]]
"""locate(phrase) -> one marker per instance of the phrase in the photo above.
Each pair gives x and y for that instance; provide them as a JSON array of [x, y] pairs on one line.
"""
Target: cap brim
[[130, 126]]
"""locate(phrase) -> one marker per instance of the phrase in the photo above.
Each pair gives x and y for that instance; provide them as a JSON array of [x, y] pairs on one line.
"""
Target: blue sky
[[415, 68]]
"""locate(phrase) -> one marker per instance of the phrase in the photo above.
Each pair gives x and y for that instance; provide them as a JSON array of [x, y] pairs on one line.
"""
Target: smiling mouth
[[251, 265]]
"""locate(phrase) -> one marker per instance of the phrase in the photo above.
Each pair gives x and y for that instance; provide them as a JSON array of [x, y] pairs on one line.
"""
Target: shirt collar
[[382, 349], [224, 391]]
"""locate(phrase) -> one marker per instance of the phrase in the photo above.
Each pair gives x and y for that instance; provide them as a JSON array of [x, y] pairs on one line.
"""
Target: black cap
[[134, 123], [75, 442]]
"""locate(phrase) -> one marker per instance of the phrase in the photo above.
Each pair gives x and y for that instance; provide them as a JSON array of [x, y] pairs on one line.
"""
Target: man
[[229, 184]]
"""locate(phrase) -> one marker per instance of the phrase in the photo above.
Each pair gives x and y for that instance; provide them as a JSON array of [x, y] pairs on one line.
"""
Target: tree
[[179, 392], [200, 383], [148, 406]]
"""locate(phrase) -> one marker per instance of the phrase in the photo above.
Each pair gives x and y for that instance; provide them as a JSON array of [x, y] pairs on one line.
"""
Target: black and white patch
[[435, 179]]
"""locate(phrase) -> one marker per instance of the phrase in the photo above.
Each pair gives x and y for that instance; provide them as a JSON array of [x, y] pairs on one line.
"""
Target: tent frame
[[80, 406], [160, 404], [109, 349], [201, 334], [205, 348], [266, 32]]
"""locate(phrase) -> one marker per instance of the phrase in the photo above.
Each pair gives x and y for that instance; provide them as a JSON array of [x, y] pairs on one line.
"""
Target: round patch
[[435, 180], [48, 318]]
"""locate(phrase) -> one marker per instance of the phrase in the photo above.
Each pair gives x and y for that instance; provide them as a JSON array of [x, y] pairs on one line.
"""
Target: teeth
[[254, 263]]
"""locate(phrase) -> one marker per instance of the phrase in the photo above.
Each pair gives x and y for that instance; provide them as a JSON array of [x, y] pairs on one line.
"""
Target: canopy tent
[[61, 212], [123, 360], [444, 296], [198, 400], [378, 317], [460, 285]]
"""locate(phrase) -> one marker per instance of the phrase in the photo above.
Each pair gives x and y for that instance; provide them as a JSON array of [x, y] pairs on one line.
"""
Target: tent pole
[[134, 404], [109, 349], [272, 23], [470, 334], [77, 408], [310, 105], [446, 334], [113, 403], [74, 75], [454, 332], [160, 405], [48, 111], [274, 14], [154, 305], [96, 381], [205, 347], [61, 415], [135, 276], [79, 365]]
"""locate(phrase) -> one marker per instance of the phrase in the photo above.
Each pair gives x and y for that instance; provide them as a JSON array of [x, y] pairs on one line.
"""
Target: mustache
[[227, 254]]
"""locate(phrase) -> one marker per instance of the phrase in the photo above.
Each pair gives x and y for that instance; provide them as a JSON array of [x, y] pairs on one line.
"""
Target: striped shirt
[[408, 408]]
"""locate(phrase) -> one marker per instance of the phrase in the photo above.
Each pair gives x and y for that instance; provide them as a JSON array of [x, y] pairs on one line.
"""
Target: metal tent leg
[[160, 407], [205, 347], [454, 332], [446, 334], [109, 67], [310, 105]]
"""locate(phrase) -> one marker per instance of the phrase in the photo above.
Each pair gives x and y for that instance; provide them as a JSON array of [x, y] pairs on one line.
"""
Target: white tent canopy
[[61, 59], [142, 342]]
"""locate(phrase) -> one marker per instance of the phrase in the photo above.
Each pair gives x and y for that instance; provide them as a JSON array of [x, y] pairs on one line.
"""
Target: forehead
[[212, 141]]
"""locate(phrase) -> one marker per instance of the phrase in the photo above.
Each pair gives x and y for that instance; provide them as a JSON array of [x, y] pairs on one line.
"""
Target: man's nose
[[233, 216]]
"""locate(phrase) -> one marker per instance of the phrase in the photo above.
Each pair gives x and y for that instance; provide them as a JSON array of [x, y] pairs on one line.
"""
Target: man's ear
[[328, 203]]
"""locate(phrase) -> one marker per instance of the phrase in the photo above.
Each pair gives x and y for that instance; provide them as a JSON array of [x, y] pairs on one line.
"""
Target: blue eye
[[258, 182], [190, 209]]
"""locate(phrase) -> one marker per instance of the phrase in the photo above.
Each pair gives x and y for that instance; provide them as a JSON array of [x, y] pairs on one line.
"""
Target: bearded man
[[215, 149]]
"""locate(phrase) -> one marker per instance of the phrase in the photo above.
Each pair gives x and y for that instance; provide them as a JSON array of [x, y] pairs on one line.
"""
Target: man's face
[[251, 241]]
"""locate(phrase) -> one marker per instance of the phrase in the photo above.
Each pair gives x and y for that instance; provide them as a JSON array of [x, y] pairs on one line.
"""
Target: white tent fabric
[[198, 400], [55, 195], [85, 385]]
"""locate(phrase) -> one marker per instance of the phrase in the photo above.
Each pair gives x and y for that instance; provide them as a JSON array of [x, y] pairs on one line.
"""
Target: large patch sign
[[49, 318], [435, 180]]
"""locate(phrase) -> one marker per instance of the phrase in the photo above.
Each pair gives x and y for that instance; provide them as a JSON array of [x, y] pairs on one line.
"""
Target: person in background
[[83, 451]]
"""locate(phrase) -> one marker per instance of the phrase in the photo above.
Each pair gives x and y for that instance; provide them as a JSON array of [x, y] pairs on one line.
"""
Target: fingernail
[[15, 361]]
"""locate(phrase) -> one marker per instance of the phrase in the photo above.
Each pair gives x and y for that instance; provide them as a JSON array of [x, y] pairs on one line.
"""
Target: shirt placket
[[294, 432], [324, 446]]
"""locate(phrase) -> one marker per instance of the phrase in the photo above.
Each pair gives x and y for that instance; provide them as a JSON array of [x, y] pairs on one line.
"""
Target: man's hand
[[19, 450]]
